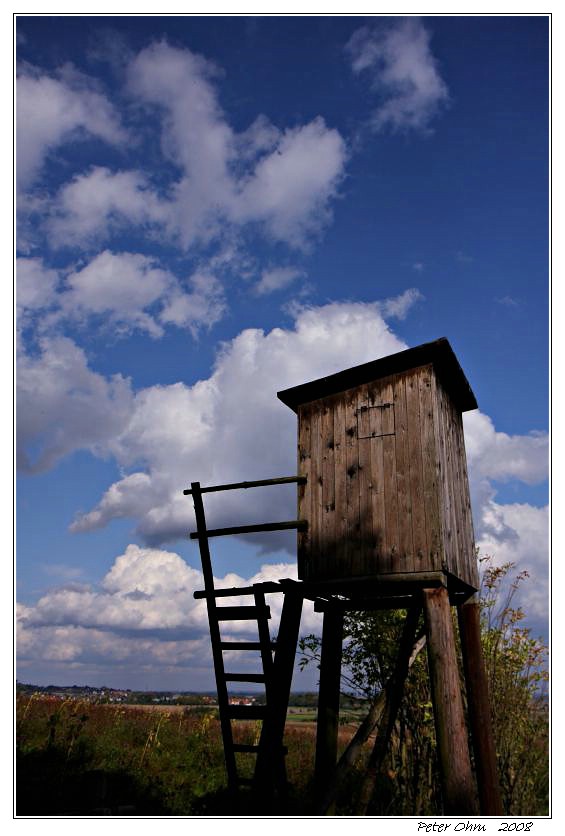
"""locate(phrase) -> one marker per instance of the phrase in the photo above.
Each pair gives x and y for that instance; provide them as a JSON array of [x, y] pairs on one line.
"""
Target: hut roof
[[439, 353]]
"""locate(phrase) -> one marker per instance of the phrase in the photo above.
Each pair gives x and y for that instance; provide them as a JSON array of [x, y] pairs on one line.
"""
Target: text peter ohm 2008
[[470, 826]]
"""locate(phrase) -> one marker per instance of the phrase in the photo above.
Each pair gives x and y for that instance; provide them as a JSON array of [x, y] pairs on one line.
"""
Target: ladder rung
[[246, 782], [245, 747], [284, 525], [247, 712], [232, 591], [245, 645], [251, 747], [224, 593], [242, 613], [244, 677]]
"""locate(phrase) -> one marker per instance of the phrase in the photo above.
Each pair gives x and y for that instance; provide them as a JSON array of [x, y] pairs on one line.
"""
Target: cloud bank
[[142, 616]]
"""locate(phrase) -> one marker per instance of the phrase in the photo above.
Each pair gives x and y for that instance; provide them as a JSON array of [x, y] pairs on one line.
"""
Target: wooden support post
[[269, 768], [285, 653], [394, 690], [479, 709], [355, 747], [453, 749], [328, 697]]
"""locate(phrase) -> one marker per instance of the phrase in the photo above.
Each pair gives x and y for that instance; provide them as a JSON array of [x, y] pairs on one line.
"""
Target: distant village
[[121, 695], [126, 696]]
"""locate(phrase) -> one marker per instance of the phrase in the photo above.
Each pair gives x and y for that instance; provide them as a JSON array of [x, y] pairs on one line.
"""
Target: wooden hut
[[384, 521], [382, 448]]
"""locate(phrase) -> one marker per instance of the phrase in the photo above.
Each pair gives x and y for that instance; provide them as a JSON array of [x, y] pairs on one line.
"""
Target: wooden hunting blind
[[382, 448], [384, 522]]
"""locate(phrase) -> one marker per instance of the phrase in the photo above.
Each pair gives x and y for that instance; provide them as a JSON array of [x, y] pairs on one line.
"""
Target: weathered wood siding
[[387, 490], [455, 501]]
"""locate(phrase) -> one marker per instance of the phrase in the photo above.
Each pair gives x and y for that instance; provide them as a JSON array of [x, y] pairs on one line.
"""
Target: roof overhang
[[437, 353]]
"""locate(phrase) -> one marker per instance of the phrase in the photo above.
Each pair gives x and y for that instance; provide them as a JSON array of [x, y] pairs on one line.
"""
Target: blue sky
[[212, 209]]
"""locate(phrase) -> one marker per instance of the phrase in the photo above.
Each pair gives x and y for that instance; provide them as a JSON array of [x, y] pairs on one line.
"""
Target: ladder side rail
[[264, 639], [215, 637], [278, 775], [277, 750]]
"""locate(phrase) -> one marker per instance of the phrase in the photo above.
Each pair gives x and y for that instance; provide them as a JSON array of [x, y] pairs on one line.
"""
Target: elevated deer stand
[[384, 521]]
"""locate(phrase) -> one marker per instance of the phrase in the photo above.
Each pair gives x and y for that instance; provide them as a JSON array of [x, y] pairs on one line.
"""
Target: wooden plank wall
[[470, 549], [373, 494], [416, 492], [455, 502], [338, 551], [404, 561], [390, 556], [352, 484], [303, 549], [430, 467]]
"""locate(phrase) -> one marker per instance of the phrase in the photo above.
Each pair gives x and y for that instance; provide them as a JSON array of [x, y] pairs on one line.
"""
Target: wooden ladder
[[277, 658]]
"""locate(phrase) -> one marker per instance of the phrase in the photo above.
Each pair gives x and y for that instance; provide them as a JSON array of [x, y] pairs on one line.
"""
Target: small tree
[[516, 667]]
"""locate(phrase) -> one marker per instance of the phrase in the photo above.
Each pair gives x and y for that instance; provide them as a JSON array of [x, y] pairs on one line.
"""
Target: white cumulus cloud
[[403, 72], [499, 456], [398, 307], [98, 202], [36, 285], [282, 181], [51, 110], [290, 190], [121, 286], [518, 533], [125, 291], [63, 406], [232, 426], [277, 278], [202, 307]]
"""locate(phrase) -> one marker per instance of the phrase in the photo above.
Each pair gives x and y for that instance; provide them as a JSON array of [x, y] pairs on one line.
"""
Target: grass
[[78, 758]]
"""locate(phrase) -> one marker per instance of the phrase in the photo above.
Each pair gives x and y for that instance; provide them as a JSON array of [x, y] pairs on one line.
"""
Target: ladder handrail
[[281, 480], [282, 525]]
